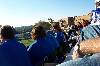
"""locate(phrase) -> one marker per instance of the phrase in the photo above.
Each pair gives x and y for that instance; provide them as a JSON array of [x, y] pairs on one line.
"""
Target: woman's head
[[38, 32], [7, 32]]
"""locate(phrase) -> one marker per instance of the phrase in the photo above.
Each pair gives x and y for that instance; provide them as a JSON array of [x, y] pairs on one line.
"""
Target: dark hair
[[39, 32], [57, 26], [7, 32], [98, 3]]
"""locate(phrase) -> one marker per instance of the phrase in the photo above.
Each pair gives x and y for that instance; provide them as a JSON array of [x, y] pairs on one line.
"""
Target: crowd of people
[[86, 52], [80, 46], [51, 46], [48, 46]]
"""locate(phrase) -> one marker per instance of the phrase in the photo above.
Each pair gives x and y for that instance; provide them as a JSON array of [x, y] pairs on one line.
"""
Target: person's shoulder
[[34, 42], [71, 62], [33, 45], [86, 61], [60, 33]]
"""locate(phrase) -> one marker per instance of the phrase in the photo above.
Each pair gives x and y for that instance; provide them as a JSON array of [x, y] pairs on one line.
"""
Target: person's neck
[[3, 40]]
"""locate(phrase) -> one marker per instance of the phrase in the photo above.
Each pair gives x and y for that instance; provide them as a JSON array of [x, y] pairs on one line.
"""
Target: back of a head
[[7, 32], [56, 26]]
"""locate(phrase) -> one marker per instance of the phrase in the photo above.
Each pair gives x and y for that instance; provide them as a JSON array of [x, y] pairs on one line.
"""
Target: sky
[[29, 12]]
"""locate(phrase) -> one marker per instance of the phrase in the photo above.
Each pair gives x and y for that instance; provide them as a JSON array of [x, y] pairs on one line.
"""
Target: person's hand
[[75, 55], [95, 20]]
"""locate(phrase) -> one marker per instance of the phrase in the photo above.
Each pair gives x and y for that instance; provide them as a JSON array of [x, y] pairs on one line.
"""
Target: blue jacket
[[91, 31], [93, 60], [60, 37], [41, 48], [13, 53]]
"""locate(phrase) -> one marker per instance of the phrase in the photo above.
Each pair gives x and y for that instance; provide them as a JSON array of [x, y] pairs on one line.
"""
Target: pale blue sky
[[27, 12]]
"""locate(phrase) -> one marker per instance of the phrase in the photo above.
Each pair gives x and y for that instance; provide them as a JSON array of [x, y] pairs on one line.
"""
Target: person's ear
[[1, 37], [33, 36]]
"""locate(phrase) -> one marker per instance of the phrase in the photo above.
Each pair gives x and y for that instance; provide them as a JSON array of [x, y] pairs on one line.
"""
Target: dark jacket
[[41, 48], [13, 53]]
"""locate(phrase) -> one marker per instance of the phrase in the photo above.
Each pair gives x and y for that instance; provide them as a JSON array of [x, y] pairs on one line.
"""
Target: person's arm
[[90, 46]]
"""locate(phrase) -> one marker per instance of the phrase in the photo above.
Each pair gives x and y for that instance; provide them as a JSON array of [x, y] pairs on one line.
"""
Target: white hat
[[97, 0]]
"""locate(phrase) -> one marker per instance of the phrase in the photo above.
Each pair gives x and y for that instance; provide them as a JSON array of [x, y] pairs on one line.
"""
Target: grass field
[[27, 42]]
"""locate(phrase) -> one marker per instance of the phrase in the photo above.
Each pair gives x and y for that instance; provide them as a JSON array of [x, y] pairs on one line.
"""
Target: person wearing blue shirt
[[42, 46], [95, 17], [12, 53], [62, 39]]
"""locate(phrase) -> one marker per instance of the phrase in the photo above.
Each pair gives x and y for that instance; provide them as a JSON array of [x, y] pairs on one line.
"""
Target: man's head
[[7, 32], [97, 3], [56, 26]]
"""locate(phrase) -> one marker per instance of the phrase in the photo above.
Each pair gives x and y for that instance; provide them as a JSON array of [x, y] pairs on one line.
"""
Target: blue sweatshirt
[[41, 48], [13, 53]]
